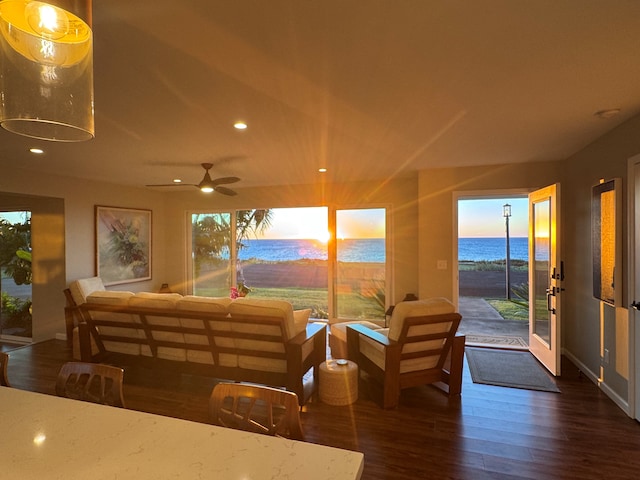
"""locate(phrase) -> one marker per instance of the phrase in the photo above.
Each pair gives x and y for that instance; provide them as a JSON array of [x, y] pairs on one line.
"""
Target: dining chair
[[4, 361], [256, 408], [91, 382]]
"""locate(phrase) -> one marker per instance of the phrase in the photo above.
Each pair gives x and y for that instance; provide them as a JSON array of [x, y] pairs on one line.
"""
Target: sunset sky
[[483, 218], [476, 218], [312, 223]]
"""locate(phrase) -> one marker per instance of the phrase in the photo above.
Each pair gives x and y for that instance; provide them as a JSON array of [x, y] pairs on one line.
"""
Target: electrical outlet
[[606, 356], [442, 265]]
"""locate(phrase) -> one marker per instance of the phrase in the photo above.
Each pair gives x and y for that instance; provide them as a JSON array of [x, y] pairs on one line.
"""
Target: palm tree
[[212, 234]]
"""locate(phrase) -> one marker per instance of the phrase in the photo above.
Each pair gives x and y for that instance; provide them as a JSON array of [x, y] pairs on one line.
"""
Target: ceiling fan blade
[[225, 180], [226, 191], [172, 185]]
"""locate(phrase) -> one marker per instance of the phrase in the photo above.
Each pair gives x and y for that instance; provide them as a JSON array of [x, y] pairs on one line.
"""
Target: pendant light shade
[[46, 74]]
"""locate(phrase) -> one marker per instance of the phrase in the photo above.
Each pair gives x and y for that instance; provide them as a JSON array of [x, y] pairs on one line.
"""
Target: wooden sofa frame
[[293, 379]]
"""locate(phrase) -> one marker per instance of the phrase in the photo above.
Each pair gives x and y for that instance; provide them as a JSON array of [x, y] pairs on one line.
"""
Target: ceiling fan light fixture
[[47, 69], [206, 185]]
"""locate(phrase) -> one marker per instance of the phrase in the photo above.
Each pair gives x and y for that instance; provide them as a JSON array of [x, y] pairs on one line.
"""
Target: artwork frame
[[606, 241], [123, 244]]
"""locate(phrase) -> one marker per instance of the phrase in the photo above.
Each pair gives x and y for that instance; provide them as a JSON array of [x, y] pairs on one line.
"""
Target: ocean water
[[488, 249], [351, 250], [372, 250]]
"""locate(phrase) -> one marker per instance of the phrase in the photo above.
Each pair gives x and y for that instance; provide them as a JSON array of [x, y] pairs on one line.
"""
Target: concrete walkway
[[484, 325]]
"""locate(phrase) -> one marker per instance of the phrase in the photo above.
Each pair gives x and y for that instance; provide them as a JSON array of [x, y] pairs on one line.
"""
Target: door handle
[[635, 305], [550, 293]]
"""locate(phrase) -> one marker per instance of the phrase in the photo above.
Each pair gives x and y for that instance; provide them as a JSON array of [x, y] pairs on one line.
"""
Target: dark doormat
[[508, 368]]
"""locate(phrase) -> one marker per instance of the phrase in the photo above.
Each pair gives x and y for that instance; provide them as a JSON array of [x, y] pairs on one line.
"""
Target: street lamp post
[[506, 213]]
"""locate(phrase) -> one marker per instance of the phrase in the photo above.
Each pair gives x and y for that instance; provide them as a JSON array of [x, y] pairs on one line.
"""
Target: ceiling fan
[[207, 185]]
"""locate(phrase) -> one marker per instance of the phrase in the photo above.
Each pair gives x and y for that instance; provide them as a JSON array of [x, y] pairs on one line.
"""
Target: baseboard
[[61, 336], [622, 403]]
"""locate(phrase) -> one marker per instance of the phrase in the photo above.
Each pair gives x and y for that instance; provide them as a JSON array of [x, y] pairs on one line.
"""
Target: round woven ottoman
[[338, 382]]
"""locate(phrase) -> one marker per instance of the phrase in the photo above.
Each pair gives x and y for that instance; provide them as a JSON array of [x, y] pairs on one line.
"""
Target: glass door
[[545, 276], [360, 279]]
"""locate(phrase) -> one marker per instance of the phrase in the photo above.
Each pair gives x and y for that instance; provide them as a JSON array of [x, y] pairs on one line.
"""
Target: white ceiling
[[369, 89]]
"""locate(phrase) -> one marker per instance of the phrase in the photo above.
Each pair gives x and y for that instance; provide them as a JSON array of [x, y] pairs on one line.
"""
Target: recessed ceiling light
[[37, 151], [322, 170], [177, 180], [610, 113], [240, 126]]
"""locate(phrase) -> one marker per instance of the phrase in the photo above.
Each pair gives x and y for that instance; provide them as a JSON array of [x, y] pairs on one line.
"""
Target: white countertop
[[47, 437]]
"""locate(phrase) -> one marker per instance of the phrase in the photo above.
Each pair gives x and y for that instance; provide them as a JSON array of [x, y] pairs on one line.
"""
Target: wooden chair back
[[91, 382], [257, 409], [427, 351], [4, 362]]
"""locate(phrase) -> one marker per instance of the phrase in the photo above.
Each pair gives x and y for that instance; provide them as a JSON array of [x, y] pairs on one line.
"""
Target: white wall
[[63, 236]]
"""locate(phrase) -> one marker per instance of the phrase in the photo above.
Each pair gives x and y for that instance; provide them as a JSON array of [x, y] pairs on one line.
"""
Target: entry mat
[[508, 368]]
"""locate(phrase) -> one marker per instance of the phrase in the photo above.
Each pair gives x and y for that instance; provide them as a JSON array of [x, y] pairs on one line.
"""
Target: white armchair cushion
[[339, 330], [301, 319], [430, 306]]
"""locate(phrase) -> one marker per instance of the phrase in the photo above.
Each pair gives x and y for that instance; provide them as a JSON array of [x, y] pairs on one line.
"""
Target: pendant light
[[46, 74]]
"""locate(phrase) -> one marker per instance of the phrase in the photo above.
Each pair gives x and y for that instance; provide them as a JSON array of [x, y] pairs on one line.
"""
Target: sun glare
[[324, 237]]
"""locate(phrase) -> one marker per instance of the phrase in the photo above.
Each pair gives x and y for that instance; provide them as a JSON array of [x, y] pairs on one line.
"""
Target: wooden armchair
[[256, 408], [4, 361], [420, 347], [91, 382]]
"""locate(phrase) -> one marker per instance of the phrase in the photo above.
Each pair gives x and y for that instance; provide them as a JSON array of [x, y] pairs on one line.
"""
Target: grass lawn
[[509, 310]]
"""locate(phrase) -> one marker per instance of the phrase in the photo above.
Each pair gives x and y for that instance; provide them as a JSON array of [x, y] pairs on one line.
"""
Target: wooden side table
[[338, 382]]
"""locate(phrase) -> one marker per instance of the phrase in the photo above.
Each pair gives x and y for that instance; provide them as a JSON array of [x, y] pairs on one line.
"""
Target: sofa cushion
[[110, 297], [219, 305], [165, 301], [204, 304], [82, 287], [116, 298], [430, 306], [155, 300], [268, 308]]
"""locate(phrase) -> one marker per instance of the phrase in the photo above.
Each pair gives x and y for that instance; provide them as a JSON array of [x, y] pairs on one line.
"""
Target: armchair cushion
[[425, 337], [339, 330], [429, 306]]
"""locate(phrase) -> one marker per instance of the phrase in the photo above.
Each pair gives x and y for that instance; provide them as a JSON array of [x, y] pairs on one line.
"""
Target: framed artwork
[[123, 244], [606, 239]]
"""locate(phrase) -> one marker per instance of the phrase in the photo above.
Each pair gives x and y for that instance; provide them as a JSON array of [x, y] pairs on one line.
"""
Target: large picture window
[[361, 263], [287, 253]]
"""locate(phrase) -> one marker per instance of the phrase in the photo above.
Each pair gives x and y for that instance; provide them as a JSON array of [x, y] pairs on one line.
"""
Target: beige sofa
[[253, 340]]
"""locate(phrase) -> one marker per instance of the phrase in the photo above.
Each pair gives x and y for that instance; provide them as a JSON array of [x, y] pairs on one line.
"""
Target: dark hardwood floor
[[490, 432]]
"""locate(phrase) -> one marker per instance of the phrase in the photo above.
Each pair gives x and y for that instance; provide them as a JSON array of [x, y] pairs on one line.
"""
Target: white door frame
[[474, 195]]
